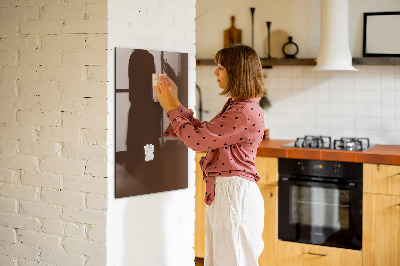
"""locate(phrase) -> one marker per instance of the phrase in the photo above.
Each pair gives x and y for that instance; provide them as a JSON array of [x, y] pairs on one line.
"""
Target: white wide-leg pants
[[234, 223]]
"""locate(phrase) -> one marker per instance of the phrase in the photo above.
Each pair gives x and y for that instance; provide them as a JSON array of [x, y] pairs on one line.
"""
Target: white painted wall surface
[[155, 229], [338, 103], [299, 18]]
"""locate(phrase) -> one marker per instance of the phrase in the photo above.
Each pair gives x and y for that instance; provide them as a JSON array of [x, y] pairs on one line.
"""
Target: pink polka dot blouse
[[231, 139]]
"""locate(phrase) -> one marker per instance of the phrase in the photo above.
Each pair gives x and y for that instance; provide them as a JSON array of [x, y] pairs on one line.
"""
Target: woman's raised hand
[[163, 91], [174, 90]]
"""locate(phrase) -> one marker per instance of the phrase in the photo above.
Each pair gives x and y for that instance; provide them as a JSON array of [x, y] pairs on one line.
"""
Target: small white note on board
[[148, 152]]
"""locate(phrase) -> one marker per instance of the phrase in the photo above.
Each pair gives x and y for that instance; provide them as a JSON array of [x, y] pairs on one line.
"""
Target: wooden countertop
[[379, 154]]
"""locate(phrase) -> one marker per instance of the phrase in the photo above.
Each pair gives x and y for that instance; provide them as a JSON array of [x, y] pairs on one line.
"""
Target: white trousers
[[234, 223]]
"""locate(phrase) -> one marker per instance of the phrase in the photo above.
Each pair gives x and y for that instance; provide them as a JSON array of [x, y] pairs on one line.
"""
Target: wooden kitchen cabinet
[[200, 207], [381, 179], [381, 230], [267, 167], [381, 215], [298, 254], [270, 233]]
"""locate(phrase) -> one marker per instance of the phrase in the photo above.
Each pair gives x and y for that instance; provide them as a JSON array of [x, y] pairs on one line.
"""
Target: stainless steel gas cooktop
[[325, 142]]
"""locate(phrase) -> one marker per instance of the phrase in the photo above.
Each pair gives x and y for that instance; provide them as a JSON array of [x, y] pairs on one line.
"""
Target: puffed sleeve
[[188, 114], [224, 130]]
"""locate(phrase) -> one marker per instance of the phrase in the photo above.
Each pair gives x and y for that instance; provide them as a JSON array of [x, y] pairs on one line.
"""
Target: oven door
[[321, 212]]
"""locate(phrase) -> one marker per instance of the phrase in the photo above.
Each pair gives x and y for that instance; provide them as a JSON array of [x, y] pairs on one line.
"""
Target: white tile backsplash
[[364, 103], [388, 97], [360, 124], [374, 97], [374, 110], [387, 110], [387, 124]]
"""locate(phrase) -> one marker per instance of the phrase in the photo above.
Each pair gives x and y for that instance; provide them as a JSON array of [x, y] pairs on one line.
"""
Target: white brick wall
[[53, 108], [61, 258], [54, 78]]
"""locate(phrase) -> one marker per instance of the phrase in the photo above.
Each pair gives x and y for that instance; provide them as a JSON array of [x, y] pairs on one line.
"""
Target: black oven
[[320, 202]]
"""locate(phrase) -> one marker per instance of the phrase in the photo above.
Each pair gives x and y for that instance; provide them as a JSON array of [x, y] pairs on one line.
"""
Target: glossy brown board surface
[[145, 162]]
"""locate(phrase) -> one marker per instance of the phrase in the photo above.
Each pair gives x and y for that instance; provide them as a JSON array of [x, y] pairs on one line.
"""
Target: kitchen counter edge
[[379, 154]]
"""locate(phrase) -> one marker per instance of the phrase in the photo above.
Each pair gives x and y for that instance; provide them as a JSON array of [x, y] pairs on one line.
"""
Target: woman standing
[[235, 207]]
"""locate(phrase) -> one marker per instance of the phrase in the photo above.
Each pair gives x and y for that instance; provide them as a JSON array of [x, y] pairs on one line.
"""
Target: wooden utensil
[[232, 35]]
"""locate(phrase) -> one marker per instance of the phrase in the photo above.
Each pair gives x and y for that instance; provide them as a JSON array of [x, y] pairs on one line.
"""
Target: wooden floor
[[199, 262]]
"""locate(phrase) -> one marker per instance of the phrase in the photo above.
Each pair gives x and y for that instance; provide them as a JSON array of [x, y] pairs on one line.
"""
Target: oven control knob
[[302, 167], [336, 169]]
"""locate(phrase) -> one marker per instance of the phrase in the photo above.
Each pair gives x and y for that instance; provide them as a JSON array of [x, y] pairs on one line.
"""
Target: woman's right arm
[[183, 111], [188, 114]]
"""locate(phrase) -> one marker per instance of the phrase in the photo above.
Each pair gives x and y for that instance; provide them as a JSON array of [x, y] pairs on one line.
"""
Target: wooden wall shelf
[[376, 61], [312, 61]]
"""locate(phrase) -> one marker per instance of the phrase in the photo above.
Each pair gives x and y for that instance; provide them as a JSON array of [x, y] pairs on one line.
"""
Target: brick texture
[[53, 227], [61, 258], [34, 239], [54, 78], [53, 109]]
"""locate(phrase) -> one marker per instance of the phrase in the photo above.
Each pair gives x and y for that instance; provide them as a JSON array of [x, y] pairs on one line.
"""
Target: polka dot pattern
[[231, 138]]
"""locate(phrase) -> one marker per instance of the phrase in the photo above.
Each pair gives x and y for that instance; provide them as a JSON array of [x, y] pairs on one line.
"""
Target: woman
[[235, 207]]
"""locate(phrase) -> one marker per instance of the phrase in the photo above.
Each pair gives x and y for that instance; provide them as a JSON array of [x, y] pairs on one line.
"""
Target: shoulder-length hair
[[245, 78]]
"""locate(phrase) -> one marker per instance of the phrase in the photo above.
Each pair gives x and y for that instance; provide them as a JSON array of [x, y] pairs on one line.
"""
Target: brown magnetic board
[[145, 162]]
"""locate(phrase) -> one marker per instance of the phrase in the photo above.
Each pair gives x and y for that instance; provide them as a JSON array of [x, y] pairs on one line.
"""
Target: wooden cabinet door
[[267, 168], [270, 233], [381, 179], [200, 207], [298, 254], [381, 230]]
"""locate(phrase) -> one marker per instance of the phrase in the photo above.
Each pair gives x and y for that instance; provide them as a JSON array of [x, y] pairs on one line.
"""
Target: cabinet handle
[[398, 204], [318, 254]]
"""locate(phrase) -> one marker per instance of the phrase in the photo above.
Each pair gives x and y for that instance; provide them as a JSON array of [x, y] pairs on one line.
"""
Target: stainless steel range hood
[[334, 51]]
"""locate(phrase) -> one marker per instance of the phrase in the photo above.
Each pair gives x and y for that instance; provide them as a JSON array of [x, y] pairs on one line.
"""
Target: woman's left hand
[[164, 95]]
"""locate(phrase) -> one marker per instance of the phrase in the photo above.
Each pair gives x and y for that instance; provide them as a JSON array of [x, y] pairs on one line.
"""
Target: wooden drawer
[[381, 179], [298, 254]]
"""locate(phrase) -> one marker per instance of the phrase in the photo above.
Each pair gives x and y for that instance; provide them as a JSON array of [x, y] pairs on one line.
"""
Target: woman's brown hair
[[245, 78]]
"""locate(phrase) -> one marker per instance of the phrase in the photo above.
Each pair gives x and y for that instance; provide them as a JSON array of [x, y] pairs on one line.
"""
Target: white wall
[[155, 229], [338, 104], [299, 18], [53, 185]]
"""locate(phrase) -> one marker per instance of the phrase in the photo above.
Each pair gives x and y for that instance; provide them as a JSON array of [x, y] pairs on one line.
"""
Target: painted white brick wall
[[53, 110], [338, 104], [155, 229]]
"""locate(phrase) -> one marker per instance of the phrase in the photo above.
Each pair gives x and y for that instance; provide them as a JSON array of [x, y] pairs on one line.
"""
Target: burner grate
[[324, 142], [321, 142], [351, 144]]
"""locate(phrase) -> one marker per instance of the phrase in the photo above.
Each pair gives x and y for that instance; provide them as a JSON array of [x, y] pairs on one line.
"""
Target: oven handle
[[329, 184]]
